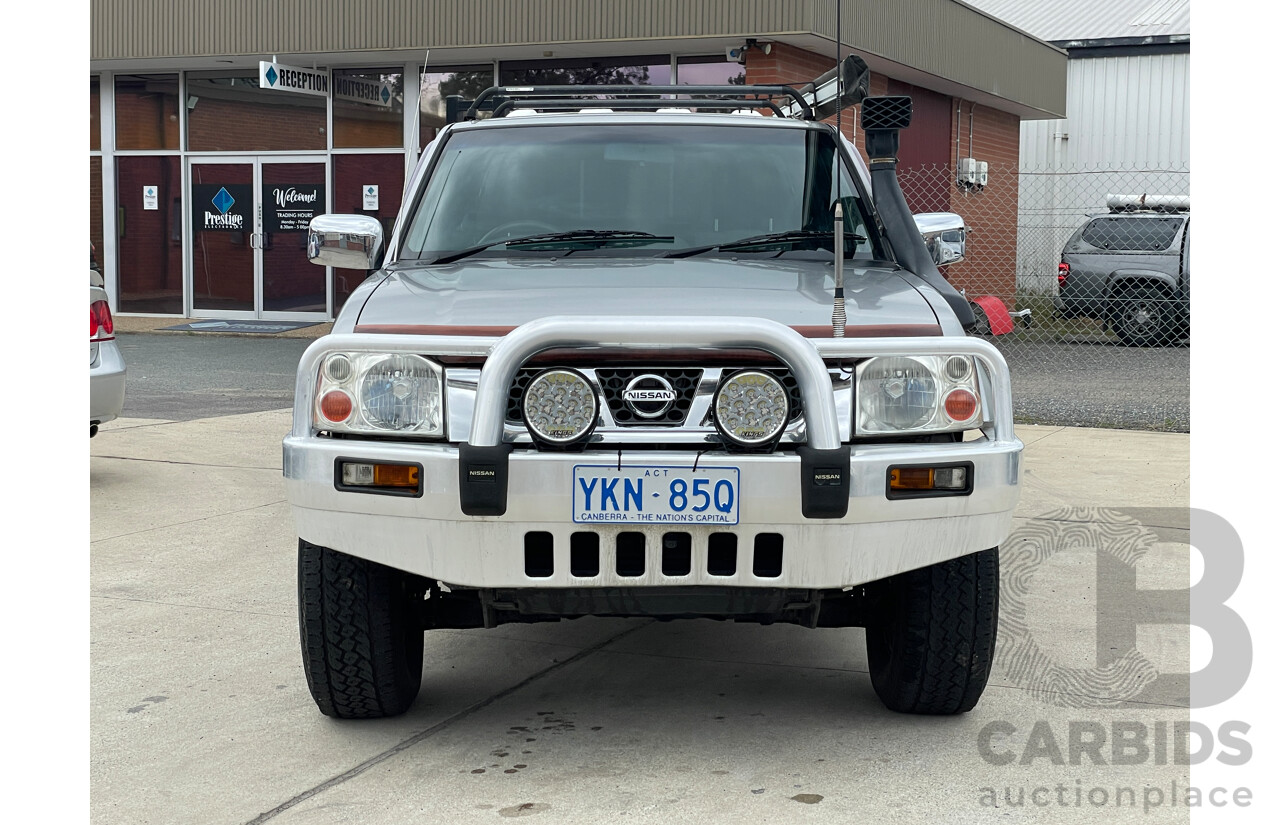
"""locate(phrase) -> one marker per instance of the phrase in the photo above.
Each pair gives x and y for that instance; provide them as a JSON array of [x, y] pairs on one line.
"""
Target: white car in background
[[106, 365]]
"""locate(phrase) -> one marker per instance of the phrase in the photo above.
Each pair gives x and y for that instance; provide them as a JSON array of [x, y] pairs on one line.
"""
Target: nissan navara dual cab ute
[[600, 369]]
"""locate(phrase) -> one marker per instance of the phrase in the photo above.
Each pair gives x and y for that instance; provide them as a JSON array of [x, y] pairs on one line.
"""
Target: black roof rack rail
[[688, 96], [574, 104]]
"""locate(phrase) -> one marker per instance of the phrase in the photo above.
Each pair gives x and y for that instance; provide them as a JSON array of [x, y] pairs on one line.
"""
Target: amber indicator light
[[395, 475], [911, 478]]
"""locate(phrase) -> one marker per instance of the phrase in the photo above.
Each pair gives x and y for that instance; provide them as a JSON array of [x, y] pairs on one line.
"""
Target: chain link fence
[[1081, 278]]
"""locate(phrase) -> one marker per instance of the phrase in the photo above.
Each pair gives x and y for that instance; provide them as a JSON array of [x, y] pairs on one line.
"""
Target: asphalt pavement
[[200, 712], [1100, 384]]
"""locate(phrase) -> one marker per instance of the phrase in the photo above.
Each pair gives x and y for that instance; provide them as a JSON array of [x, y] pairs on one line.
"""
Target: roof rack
[[1148, 203], [642, 98], [844, 85], [575, 104]]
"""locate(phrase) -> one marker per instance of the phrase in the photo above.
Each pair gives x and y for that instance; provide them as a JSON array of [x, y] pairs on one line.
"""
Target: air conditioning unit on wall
[[971, 174]]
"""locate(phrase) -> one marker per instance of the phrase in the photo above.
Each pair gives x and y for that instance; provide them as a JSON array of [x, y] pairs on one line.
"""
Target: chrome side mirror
[[943, 233], [347, 241]]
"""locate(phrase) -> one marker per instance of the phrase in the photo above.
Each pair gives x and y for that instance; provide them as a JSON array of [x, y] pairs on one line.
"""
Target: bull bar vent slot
[[584, 555], [539, 555], [629, 560], [677, 554], [767, 563], [722, 554]]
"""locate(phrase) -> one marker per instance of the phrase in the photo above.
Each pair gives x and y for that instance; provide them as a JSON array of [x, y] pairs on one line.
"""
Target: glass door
[[249, 221], [223, 225], [292, 193]]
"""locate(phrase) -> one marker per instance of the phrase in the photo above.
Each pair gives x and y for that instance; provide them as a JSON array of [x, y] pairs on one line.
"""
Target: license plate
[[654, 494]]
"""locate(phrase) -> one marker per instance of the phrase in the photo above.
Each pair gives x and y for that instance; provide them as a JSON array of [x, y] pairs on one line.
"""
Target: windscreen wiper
[[575, 239], [791, 238]]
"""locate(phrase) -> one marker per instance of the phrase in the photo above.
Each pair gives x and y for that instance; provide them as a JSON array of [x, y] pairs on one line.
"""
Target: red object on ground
[[997, 313]]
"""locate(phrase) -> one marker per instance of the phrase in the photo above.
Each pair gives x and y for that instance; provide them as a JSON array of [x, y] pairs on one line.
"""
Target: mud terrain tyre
[[361, 633], [933, 635]]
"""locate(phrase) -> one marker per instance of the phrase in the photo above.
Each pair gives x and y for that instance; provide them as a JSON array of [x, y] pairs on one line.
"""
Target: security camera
[[740, 53]]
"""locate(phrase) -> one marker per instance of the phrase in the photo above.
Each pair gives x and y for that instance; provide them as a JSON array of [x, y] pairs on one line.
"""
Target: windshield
[[692, 187]]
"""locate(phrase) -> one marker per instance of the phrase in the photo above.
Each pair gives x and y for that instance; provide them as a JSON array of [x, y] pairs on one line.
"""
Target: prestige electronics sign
[[222, 207]]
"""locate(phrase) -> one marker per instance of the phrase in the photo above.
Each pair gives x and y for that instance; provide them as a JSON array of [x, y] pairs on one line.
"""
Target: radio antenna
[[837, 310], [417, 110]]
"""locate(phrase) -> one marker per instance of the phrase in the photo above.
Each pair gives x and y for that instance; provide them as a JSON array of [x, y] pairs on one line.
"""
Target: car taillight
[[1064, 269], [100, 326]]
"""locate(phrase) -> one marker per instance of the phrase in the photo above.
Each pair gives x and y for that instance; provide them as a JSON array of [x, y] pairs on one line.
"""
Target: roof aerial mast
[[837, 310]]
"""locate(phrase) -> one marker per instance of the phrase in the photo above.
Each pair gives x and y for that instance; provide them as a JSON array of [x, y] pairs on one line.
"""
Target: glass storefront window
[[368, 108], [95, 108], [95, 208], [467, 81], [149, 240], [227, 112], [710, 70], [352, 177], [147, 111]]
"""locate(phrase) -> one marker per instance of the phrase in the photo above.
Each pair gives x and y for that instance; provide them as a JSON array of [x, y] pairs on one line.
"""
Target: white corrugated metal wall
[[1127, 131]]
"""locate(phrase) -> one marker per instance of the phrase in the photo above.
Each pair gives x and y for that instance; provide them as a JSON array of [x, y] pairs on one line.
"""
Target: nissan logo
[[649, 396]]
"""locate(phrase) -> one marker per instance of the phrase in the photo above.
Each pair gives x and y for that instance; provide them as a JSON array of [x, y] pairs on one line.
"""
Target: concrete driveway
[[200, 711]]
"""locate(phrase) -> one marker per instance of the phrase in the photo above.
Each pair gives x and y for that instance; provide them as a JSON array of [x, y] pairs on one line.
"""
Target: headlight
[[380, 393], [751, 409], [922, 393], [560, 407]]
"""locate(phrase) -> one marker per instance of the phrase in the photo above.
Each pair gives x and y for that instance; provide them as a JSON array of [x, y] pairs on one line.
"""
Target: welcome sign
[[290, 207]]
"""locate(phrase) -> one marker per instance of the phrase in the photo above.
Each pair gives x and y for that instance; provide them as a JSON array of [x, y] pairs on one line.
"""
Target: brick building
[[178, 112]]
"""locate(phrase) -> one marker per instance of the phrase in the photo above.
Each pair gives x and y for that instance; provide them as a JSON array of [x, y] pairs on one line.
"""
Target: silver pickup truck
[[620, 357]]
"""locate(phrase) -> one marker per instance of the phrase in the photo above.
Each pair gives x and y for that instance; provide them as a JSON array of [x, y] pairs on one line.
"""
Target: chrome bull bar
[[483, 461]]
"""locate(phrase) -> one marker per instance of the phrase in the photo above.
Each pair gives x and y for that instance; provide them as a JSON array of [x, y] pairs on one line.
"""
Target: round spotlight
[[559, 407], [751, 408]]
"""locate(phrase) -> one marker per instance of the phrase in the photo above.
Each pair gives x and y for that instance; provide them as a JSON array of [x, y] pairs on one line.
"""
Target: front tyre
[[361, 631], [932, 636]]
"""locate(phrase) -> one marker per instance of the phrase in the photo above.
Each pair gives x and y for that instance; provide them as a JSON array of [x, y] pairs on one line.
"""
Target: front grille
[[614, 381], [518, 385]]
